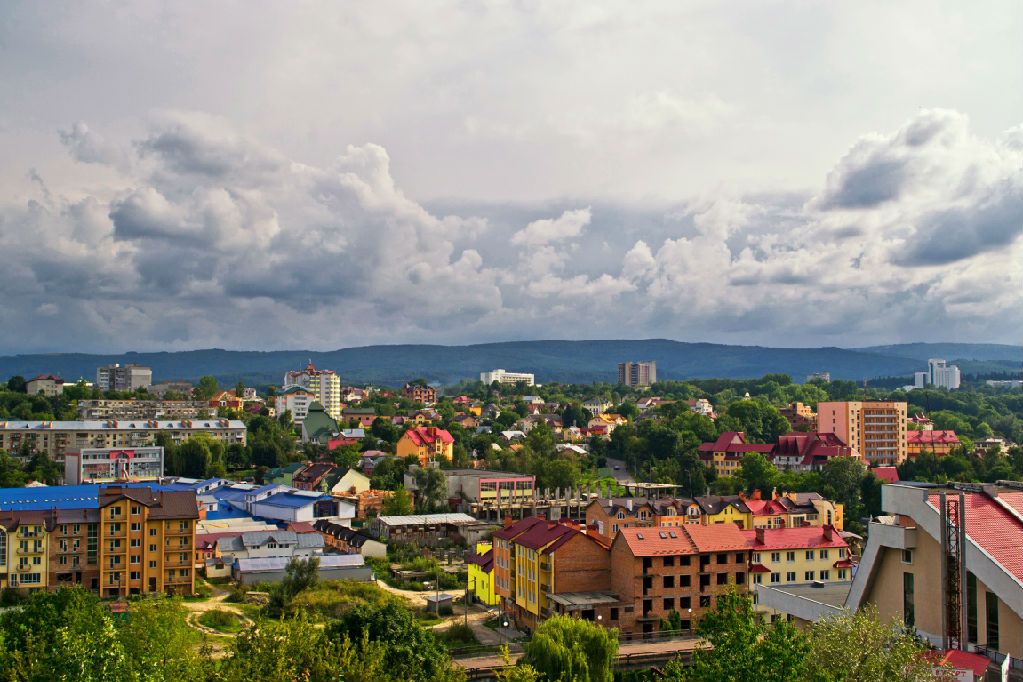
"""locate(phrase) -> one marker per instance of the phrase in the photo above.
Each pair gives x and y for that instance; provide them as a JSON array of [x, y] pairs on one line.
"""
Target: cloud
[[539, 232], [213, 238]]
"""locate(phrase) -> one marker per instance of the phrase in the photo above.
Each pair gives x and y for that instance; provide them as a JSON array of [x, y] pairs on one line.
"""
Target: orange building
[[427, 443], [938, 442]]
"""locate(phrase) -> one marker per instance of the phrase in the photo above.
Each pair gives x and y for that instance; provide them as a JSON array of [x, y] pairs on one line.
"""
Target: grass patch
[[457, 636], [332, 598], [221, 621]]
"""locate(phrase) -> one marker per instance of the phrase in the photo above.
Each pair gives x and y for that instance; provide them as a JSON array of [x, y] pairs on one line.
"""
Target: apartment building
[[637, 373], [611, 514], [323, 384], [940, 374], [142, 409], [502, 376], [877, 430], [58, 437], [296, 400], [115, 540], [484, 493], [98, 465], [655, 571], [118, 377]]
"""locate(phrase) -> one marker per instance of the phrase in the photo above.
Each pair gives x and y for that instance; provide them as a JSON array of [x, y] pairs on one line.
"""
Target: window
[[669, 603], [790, 556], [825, 575], [841, 552], [907, 556], [722, 578], [756, 557], [776, 577], [75, 529], [685, 602], [790, 577], [152, 532], [30, 578], [825, 554], [758, 578], [669, 561], [136, 542], [685, 581], [908, 602], [705, 601], [740, 557], [669, 581], [152, 548], [614, 528], [152, 564], [614, 614], [621, 515], [136, 559], [808, 576], [841, 574], [809, 555], [684, 561], [37, 560], [991, 606], [136, 510], [136, 527], [115, 512], [775, 557], [971, 607], [722, 559]]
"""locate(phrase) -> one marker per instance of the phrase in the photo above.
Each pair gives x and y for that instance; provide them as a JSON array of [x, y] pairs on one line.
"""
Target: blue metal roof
[[292, 500], [84, 496]]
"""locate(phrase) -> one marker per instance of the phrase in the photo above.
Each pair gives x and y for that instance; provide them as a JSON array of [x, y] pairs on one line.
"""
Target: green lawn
[[221, 621]]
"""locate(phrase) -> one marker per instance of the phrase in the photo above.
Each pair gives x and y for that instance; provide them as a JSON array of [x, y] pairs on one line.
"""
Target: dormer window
[[621, 514]]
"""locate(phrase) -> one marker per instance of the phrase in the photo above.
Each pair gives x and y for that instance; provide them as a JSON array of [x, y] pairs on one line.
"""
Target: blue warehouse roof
[[58, 496]]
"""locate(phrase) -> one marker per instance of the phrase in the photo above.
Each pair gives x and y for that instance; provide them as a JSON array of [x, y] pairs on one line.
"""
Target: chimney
[[757, 495], [774, 493], [760, 535], [508, 521], [828, 532], [628, 504]]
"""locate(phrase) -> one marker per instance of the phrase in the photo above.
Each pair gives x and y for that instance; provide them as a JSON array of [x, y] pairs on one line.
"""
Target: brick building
[[657, 571], [421, 394]]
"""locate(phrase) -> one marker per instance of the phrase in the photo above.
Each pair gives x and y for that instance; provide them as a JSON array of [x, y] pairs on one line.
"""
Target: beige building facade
[[877, 430]]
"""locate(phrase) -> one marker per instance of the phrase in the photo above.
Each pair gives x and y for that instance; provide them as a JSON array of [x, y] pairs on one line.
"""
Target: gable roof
[[932, 437], [794, 538], [678, 540], [428, 435], [520, 526]]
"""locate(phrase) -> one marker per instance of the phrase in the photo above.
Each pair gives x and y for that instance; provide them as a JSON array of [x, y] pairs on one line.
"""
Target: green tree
[[158, 641], [398, 504], [11, 473], [411, 653], [744, 648], [756, 473], [388, 474], [193, 458], [206, 388], [858, 647], [17, 384], [572, 650], [431, 488], [301, 574], [757, 418], [841, 480]]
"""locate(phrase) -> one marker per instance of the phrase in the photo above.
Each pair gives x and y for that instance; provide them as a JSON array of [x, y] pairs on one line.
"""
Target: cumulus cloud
[[539, 232], [216, 238]]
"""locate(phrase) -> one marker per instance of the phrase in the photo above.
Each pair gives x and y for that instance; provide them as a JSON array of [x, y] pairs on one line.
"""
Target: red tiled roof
[[766, 507], [759, 568], [724, 442], [428, 435], [520, 526], [690, 539], [541, 535], [811, 446], [886, 474], [995, 529], [843, 563], [793, 538], [934, 437]]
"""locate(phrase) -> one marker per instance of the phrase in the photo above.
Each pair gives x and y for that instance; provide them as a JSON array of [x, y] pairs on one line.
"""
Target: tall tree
[[206, 388], [566, 649]]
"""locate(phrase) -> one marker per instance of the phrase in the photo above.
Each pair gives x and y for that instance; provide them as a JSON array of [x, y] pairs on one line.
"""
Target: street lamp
[[690, 622]]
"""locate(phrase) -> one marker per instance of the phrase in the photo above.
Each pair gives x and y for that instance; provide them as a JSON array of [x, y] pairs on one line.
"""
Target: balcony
[[173, 531]]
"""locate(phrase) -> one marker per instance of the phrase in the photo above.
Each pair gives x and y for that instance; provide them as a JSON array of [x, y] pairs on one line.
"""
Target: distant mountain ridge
[[561, 361]]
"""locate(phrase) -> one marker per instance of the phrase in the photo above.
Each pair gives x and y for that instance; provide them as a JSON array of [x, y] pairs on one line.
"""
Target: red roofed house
[[428, 443], [886, 474], [49, 385], [659, 570], [938, 442], [726, 453], [797, 556], [809, 451], [227, 399], [902, 570]]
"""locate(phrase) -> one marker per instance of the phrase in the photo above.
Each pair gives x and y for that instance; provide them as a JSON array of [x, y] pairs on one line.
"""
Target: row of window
[[808, 576], [809, 555]]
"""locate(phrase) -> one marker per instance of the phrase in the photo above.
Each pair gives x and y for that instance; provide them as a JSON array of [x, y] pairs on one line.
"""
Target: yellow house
[[716, 509], [26, 559], [426, 443], [797, 556], [476, 410], [481, 574]]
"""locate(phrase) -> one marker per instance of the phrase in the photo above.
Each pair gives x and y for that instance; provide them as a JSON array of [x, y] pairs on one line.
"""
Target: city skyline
[[192, 176]]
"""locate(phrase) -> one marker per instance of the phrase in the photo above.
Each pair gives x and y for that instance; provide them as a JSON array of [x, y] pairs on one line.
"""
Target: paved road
[[620, 474], [624, 650]]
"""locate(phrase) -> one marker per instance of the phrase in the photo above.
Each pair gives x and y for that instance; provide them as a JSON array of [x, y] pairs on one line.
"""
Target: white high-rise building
[[505, 377], [943, 375], [324, 384]]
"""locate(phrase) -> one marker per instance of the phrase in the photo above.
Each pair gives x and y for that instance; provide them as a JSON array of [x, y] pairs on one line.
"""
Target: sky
[[320, 175]]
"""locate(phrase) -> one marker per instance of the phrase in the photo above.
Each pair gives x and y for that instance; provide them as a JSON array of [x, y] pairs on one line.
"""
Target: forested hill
[[562, 361]]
